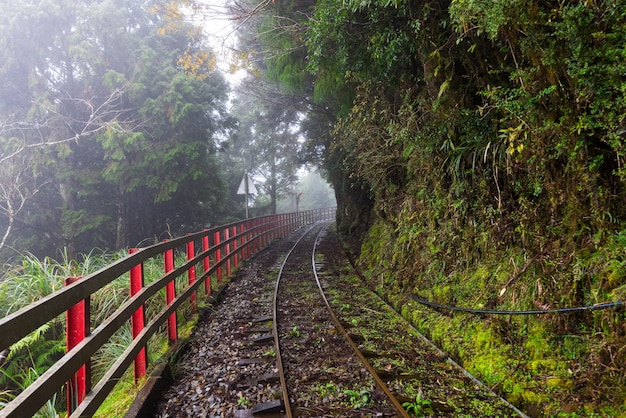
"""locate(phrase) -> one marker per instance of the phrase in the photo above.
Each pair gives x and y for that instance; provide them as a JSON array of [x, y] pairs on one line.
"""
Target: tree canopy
[[110, 120]]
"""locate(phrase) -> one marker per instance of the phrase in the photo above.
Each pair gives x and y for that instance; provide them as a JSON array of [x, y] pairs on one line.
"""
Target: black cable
[[604, 305]]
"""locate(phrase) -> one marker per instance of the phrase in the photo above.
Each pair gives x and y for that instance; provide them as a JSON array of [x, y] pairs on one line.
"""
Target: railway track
[[313, 342], [320, 373]]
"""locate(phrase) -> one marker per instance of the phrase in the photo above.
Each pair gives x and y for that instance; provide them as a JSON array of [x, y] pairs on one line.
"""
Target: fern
[[33, 353], [28, 341]]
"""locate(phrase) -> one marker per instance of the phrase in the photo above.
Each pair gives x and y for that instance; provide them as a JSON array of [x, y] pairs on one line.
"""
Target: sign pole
[[246, 188], [247, 191]]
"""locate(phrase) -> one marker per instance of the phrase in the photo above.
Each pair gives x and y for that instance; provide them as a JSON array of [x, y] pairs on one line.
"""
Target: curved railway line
[[311, 341]]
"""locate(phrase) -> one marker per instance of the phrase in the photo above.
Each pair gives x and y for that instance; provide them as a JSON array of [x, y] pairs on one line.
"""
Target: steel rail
[[279, 361], [381, 384]]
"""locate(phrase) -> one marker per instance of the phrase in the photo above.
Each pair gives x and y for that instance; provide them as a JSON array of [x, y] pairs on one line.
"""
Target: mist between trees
[[116, 127]]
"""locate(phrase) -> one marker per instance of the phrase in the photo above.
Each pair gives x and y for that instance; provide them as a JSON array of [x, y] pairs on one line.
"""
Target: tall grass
[[25, 282], [31, 279], [25, 379]]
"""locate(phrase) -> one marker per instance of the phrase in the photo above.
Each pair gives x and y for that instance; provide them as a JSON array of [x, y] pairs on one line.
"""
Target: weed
[[293, 332], [358, 398], [270, 353], [419, 407], [243, 401], [326, 389]]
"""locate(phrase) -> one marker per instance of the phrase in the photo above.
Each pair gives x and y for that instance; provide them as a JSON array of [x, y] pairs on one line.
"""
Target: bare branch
[[104, 116], [20, 139]]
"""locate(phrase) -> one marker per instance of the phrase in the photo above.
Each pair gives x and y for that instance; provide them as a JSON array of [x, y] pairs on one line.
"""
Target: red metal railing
[[232, 244]]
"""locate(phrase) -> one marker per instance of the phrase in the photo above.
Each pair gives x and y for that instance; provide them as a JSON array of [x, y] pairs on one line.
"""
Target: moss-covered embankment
[[548, 365]]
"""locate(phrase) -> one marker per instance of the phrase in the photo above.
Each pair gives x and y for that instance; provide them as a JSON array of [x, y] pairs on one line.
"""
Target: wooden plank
[[249, 361], [270, 407], [262, 330], [263, 339], [268, 378]]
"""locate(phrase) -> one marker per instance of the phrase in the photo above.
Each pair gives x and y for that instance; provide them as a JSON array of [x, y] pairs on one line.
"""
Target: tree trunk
[[122, 231], [273, 185]]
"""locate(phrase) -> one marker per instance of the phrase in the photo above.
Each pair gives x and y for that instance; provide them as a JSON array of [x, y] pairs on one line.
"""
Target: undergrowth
[[548, 365], [30, 279]]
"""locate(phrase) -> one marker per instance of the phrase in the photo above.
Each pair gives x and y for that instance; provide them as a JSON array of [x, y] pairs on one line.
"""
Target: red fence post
[[226, 238], [275, 224], [191, 274], [255, 233], [284, 226], [279, 224], [207, 265], [138, 318], [170, 295], [235, 254], [269, 226], [242, 241], [77, 328], [218, 254], [250, 237], [264, 236]]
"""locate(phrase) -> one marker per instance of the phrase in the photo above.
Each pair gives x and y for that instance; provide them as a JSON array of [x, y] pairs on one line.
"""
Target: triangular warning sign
[[242, 186]]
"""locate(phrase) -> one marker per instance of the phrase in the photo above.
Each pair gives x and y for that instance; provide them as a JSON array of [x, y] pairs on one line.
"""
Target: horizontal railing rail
[[222, 248]]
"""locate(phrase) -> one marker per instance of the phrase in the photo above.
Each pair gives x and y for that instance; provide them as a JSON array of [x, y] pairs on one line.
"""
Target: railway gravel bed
[[229, 369], [223, 371]]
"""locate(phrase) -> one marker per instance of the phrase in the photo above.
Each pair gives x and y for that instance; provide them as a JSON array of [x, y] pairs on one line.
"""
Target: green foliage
[[293, 332], [243, 401], [32, 356], [134, 115], [358, 398], [49, 410], [482, 16], [29, 281], [419, 407], [326, 389], [111, 351], [281, 32]]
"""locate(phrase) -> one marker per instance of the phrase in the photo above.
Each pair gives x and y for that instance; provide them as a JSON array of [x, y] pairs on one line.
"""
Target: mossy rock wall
[[546, 364]]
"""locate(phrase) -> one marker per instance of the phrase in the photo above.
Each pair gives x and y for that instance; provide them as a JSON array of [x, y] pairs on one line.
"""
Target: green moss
[[480, 276], [537, 343], [118, 401], [524, 358]]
